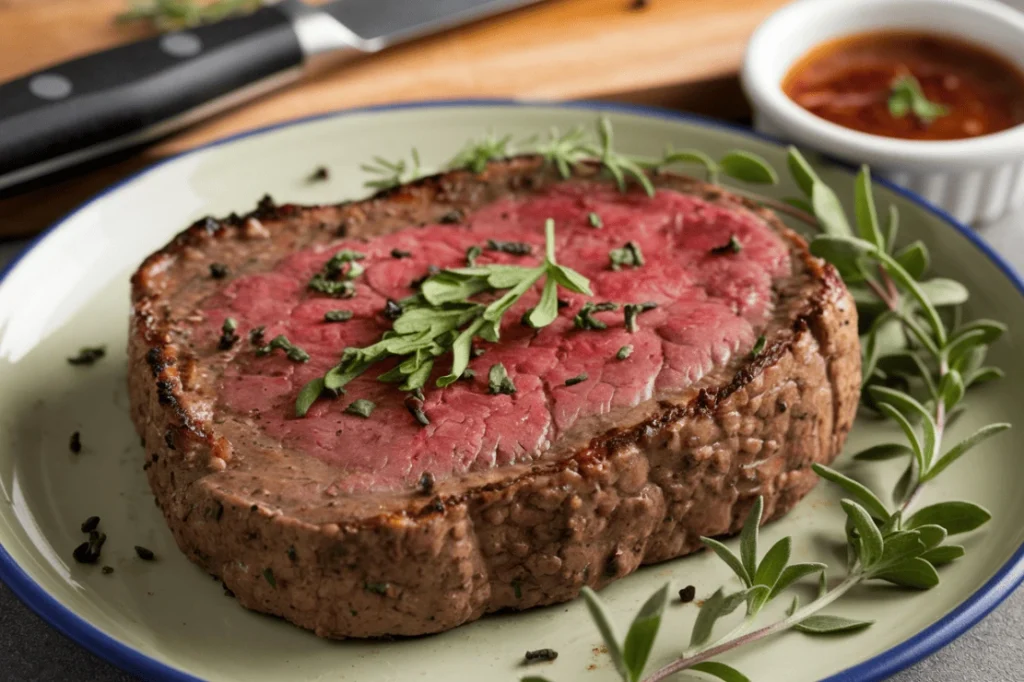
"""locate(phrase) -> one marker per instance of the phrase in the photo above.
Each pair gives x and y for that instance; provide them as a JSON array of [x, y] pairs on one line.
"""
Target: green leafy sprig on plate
[[919, 359]]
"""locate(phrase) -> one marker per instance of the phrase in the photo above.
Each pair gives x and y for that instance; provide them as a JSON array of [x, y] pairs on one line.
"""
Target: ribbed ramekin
[[976, 179]]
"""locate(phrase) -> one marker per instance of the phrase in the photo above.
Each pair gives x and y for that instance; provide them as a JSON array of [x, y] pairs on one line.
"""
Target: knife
[[109, 101]]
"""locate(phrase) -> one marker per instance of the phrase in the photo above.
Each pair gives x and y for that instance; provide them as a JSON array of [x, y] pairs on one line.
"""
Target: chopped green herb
[[337, 316], [595, 221], [585, 319], [322, 285], [228, 337], [907, 97], [467, 374], [472, 253], [731, 246], [415, 407], [256, 334], [293, 353], [88, 356], [629, 255], [144, 554], [268, 573], [377, 588], [75, 444], [758, 346], [498, 380], [578, 379], [218, 270], [361, 407], [513, 248], [392, 173], [632, 310], [624, 352]]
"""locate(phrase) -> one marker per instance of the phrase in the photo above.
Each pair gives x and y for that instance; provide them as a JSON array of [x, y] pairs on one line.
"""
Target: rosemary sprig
[[919, 359], [170, 15], [445, 318], [478, 153], [389, 174]]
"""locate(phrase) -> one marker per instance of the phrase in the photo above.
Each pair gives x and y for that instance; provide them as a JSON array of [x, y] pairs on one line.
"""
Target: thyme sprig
[[919, 360], [446, 316]]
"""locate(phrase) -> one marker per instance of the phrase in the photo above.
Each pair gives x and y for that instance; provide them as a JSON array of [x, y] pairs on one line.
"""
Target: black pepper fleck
[[687, 594]]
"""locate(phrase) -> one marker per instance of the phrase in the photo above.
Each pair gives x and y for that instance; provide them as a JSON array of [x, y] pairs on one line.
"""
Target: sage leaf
[[945, 554], [869, 543], [931, 535], [904, 279], [908, 406], [748, 537], [908, 430], [942, 292], [800, 204], [898, 547], [790, 574], [982, 375], [829, 210], [914, 258], [992, 330], [904, 485], [308, 395], [842, 252], [793, 606], [731, 560], [773, 563], [822, 624], [952, 388], [802, 173], [748, 167], [916, 573], [962, 346], [717, 605], [961, 448], [720, 670], [864, 209], [692, 156], [757, 597], [872, 504], [892, 228], [599, 614], [956, 517], [643, 630], [883, 451]]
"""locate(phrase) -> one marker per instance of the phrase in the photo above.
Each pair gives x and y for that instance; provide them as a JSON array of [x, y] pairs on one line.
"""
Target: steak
[[618, 446]]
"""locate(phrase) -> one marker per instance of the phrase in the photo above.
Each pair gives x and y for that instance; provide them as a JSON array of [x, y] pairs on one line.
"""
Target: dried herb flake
[[88, 356]]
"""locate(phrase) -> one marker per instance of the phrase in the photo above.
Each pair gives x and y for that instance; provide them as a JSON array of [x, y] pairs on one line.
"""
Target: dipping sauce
[[874, 83]]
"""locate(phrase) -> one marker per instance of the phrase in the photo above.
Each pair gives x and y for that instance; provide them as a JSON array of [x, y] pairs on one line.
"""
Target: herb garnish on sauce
[[907, 97]]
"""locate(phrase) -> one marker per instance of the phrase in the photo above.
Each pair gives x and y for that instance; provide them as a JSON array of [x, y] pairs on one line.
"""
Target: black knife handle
[[136, 91]]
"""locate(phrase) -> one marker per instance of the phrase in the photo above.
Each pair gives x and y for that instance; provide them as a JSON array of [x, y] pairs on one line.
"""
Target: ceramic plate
[[168, 620]]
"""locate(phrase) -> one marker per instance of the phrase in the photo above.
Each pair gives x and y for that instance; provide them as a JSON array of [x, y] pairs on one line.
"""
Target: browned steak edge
[[632, 496]]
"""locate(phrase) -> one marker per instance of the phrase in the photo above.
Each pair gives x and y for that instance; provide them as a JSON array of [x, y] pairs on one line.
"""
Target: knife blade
[[105, 102]]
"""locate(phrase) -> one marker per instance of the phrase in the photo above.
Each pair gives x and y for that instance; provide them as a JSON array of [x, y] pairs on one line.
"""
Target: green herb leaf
[[943, 555], [883, 451], [802, 173], [748, 167], [864, 209], [720, 670], [906, 96], [869, 543], [595, 220], [362, 408], [790, 574], [731, 560], [955, 517], [338, 316], [628, 256], [943, 292], [823, 624], [908, 430], [308, 395], [478, 153], [643, 630], [692, 156], [498, 380], [748, 537], [547, 308], [715, 607], [952, 388], [892, 228], [871, 503], [907, 405], [759, 345], [606, 628], [624, 352], [916, 573], [914, 258], [961, 448], [845, 253]]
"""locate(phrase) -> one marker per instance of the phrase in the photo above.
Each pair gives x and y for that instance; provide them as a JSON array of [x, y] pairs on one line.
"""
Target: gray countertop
[[30, 650]]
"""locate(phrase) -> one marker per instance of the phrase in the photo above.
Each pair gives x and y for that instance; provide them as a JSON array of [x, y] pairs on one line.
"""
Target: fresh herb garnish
[[758, 346], [218, 270], [907, 97], [391, 174], [472, 253], [629, 255], [478, 153], [362, 408], [513, 248], [145, 554], [291, 351], [171, 15], [444, 318], [498, 380], [585, 319], [228, 337], [624, 352], [632, 310], [415, 407], [578, 379], [338, 316], [595, 220], [731, 246], [75, 443], [256, 334], [88, 356], [540, 655], [342, 289]]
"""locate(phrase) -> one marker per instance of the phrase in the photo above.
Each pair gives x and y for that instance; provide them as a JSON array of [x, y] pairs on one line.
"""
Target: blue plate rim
[[906, 653]]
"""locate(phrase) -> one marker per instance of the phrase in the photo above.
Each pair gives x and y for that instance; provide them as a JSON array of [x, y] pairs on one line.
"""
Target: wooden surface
[[677, 53]]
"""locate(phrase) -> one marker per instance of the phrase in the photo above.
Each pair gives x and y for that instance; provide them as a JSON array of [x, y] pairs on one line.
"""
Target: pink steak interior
[[710, 307]]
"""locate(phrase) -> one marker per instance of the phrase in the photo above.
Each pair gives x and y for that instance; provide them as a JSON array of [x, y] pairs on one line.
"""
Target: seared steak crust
[[642, 489]]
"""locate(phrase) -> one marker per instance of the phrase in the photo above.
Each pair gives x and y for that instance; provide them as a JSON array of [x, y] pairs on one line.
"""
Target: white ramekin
[[975, 179]]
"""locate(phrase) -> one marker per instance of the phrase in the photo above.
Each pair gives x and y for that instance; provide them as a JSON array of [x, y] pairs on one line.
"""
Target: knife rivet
[[181, 44], [50, 86]]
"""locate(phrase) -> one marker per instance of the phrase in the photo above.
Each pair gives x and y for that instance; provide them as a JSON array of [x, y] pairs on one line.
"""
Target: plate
[[167, 620]]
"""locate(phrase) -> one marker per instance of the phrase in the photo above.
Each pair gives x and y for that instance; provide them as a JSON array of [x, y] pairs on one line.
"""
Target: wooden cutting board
[[678, 53]]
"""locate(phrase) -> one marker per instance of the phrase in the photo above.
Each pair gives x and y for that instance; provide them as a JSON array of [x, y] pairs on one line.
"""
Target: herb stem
[[778, 206], [730, 642]]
